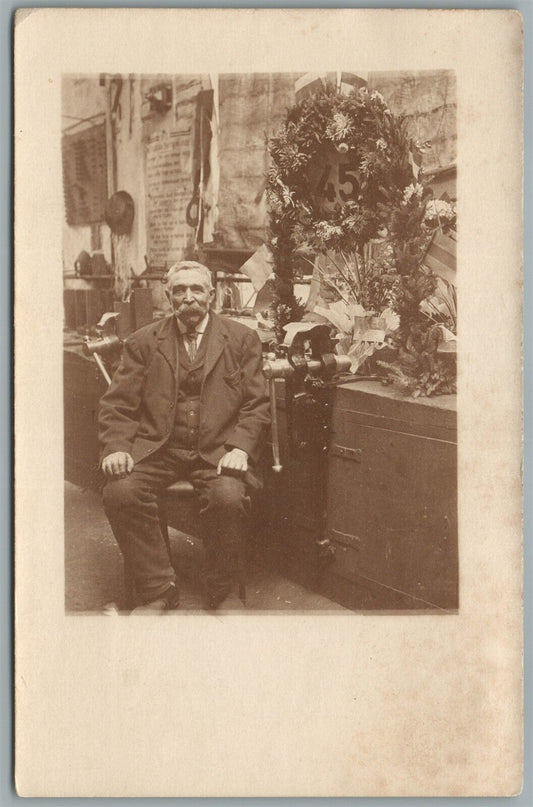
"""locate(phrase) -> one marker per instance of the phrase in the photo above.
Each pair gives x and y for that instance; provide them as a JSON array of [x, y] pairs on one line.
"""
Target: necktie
[[190, 344]]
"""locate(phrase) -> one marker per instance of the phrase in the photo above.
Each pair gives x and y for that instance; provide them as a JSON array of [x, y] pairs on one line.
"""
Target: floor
[[93, 568]]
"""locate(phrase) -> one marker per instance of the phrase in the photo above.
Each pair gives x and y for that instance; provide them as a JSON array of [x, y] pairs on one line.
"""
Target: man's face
[[190, 296]]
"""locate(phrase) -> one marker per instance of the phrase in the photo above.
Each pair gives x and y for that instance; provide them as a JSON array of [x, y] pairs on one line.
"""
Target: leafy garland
[[388, 206]]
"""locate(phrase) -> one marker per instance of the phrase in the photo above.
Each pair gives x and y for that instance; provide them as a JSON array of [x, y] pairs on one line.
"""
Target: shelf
[[240, 278], [72, 276]]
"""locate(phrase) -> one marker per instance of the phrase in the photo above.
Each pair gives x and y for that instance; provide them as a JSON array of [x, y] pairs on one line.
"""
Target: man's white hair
[[184, 265]]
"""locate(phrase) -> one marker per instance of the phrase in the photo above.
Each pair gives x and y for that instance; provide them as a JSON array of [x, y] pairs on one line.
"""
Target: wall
[[82, 98], [429, 100], [252, 107]]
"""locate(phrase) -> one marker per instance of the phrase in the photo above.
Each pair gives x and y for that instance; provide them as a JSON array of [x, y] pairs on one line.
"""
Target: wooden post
[[93, 306], [142, 308], [69, 301], [81, 308], [124, 324]]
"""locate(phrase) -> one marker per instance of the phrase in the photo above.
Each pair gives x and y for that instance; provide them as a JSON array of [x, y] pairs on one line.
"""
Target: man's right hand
[[118, 464]]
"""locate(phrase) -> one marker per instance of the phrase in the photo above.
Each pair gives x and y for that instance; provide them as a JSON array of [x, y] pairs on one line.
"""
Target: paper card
[[287, 701]]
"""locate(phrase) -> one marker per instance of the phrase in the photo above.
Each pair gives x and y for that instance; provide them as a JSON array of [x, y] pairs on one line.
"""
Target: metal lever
[[275, 368], [277, 467], [100, 364]]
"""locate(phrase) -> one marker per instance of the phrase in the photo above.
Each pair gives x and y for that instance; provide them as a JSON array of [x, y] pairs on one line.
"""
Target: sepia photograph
[[260, 340], [268, 417]]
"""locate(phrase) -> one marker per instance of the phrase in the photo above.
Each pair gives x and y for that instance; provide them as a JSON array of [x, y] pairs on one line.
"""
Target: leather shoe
[[215, 591], [168, 601], [215, 594]]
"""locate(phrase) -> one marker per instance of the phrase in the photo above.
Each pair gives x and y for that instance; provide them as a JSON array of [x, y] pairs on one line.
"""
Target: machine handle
[[277, 467], [103, 370]]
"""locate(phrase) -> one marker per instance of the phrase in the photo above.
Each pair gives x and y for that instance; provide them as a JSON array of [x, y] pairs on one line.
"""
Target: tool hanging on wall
[[83, 265], [119, 213], [159, 97], [201, 168]]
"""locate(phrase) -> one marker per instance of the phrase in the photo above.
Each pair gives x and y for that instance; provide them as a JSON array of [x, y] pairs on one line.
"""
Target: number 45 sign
[[338, 183]]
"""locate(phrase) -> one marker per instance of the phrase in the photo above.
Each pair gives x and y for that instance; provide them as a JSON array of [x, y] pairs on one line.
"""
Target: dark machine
[[300, 386]]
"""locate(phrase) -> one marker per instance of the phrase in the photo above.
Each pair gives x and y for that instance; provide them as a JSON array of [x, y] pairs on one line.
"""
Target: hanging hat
[[119, 212]]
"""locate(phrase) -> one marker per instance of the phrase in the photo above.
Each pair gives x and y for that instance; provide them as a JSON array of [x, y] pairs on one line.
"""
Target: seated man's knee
[[119, 493], [228, 494]]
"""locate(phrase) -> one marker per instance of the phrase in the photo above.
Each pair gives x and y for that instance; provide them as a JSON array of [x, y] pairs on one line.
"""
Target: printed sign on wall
[[168, 192], [85, 175]]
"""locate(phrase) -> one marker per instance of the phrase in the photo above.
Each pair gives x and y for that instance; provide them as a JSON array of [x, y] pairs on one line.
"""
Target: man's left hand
[[235, 462]]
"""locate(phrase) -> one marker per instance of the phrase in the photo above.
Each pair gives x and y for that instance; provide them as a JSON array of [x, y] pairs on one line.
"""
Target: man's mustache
[[187, 307]]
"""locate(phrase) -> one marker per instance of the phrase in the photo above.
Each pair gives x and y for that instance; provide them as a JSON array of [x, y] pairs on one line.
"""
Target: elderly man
[[188, 401]]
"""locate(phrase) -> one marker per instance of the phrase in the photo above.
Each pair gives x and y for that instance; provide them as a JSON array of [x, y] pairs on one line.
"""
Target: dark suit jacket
[[137, 410]]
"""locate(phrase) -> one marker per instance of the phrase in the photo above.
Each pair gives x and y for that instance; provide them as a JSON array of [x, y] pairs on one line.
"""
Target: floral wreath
[[371, 147]]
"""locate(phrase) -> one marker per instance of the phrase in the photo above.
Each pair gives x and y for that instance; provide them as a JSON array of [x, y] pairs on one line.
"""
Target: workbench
[[388, 484]]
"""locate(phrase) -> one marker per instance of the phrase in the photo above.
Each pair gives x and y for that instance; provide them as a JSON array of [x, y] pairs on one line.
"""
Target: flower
[[275, 203], [439, 209], [329, 229], [342, 148], [377, 96], [340, 127], [381, 144], [286, 194], [412, 190], [371, 164], [326, 230]]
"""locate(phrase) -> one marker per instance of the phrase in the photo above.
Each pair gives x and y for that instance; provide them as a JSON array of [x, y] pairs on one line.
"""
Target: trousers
[[131, 507]]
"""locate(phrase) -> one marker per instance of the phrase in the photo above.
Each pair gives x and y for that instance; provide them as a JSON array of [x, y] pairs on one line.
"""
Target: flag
[[441, 256], [311, 83], [259, 267], [416, 155], [265, 297], [352, 81]]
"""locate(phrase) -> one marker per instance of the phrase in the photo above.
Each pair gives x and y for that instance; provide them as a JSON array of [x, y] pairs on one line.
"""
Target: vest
[[187, 412]]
